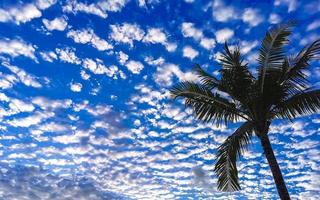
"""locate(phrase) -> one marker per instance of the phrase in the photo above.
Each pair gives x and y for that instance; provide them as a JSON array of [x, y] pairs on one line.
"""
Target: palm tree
[[278, 90]]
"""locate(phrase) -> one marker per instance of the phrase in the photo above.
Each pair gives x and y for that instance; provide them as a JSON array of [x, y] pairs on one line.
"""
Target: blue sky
[[85, 111]]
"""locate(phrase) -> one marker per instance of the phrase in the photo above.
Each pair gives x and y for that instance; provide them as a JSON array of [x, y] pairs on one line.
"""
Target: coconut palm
[[279, 89]]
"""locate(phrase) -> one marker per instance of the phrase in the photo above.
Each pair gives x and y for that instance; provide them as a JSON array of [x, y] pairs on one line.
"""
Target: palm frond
[[305, 102], [295, 74], [236, 78], [227, 155], [206, 79], [272, 54], [208, 106]]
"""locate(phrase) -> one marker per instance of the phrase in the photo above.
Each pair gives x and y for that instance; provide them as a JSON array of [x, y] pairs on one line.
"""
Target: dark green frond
[[227, 155], [272, 54], [305, 102], [236, 79], [294, 75], [207, 106], [206, 79]]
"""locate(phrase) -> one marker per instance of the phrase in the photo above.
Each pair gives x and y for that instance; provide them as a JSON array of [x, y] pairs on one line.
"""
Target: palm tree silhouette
[[278, 90]]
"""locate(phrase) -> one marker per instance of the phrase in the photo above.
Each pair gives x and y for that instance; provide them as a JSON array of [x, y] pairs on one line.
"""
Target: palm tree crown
[[278, 90]]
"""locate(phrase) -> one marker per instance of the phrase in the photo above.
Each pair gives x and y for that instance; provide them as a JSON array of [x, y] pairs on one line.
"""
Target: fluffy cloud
[[97, 67], [166, 72], [112, 5], [274, 18], [44, 4], [37, 183], [314, 25], [76, 87], [134, 66], [85, 36], [20, 14], [74, 6], [68, 55], [223, 35], [20, 106], [99, 8], [252, 17], [156, 35], [247, 46], [122, 57], [190, 52], [126, 33], [30, 120], [291, 4], [222, 13], [16, 48], [22, 76], [188, 30], [58, 24], [49, 56], [23, 13]]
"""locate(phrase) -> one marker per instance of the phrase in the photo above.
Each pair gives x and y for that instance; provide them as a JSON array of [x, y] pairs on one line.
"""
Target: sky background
[[85, 111]]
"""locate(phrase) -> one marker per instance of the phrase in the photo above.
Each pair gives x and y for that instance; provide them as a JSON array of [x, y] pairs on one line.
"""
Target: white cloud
[[188, 30], [23, 76], [68, 55], [122, 57], [247, 46], [84, 75], [44, 4], [189, 52], [156, 35], [74, 7], [274, 18], [30, 120], [134, 66], [223, 35], [208, 43], [85, 36], [291, 4], [129, 33], [97, 67], [20, 106], [168, 71], [16, 48], [112, 5], [126, 33], [170, 46], [20, 14], [76, 87], [58, 24], [49, 56], [154, 62], [252, 17], [49, 104], [314, 25], [222, 13], [23, 13]]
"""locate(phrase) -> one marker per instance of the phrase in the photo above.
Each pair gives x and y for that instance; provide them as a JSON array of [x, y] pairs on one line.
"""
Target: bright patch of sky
[[85, 109]]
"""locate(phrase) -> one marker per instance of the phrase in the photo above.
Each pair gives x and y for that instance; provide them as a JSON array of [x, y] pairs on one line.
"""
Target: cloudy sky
[[85, 112]]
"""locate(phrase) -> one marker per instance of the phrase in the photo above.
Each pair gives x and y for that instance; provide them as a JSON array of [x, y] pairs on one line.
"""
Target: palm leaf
[[208, 106], [227, 155], [236, 78], [305, 102], [295, 75], [206, 79], [271, 52]]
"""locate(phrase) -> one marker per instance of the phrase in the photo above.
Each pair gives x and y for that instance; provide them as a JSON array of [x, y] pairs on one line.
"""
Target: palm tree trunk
[[274, 166]]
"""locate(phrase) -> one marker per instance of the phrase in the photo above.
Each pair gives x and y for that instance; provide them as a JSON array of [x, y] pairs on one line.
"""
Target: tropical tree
[[278, 89]]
